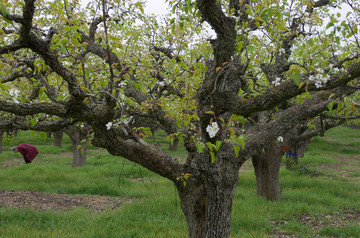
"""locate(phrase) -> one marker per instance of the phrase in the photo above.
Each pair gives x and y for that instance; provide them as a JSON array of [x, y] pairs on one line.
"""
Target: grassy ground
[[321, 200]]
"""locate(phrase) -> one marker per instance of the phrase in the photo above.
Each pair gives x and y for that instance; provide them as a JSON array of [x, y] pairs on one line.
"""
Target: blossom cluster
[[319, 79], [277, 81], [212, 129], [109, 125]]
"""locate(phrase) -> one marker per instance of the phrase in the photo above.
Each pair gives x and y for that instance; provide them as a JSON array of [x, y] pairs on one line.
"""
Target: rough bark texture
[[206, 184], [58, 138], [206, 199], [267, 168]]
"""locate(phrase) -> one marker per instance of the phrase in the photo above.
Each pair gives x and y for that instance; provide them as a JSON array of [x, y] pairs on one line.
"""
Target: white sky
[[157, 7]]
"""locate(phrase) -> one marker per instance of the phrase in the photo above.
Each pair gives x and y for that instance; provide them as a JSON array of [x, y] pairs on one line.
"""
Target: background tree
[[267, 55]]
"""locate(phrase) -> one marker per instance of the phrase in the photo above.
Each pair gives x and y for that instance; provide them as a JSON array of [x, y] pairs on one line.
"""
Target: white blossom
[[109, 125], [280, 139], [277, 81], [319, 80], [212, 129], [318, 84]]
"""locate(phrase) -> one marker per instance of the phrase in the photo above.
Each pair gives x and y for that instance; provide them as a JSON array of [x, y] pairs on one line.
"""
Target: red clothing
[[29, 152]]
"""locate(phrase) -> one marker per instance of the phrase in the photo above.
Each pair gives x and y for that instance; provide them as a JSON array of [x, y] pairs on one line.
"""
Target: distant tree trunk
[[48, 134], [79, 154], [267, 169], [296, 149], [1, 139], [58, 138], [174, 144], [15, 132]]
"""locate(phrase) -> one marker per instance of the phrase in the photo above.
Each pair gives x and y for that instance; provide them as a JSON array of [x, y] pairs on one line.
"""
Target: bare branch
[[33, 108]]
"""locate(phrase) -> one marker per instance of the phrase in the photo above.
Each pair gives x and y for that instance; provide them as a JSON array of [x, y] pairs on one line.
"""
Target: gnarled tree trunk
[[207, 210], [206, 199]]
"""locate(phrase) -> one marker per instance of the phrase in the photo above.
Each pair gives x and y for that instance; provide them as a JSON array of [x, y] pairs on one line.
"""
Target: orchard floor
[[334, 157], [46, 201]]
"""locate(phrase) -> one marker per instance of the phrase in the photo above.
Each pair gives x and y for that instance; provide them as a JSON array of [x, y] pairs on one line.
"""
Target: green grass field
[[326, 205]]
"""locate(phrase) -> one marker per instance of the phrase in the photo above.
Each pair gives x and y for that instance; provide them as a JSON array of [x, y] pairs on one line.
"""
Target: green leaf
[[211, 146], [179, 123], [237, 150], [33, 121], [4, 12], [79, 147], [62, 48], [218, 144], [199, 147], [330, 106], [212, 154], [42, 135], [241, 141], [297, 78], [3, 86], [340, 106], [41, 92], [330, 24]]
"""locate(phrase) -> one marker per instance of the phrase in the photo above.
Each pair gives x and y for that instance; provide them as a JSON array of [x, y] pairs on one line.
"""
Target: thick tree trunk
[[267, 169], [79, 154], [58, 138], [208, 210], [206, 200]]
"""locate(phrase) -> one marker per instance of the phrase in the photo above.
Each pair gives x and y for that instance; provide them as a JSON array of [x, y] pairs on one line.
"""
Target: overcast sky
[[157, 7]]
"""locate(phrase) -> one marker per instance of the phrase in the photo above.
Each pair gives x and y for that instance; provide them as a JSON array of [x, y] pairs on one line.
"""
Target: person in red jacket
[[29, 152]]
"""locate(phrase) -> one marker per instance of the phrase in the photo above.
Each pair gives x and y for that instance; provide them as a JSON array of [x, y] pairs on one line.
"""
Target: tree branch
[[33, 108], [275, 96]]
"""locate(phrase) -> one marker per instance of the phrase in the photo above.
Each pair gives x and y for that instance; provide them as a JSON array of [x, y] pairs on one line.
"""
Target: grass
[[155, 210]]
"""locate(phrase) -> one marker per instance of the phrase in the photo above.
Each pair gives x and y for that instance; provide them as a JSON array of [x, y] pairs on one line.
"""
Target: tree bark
[[267, 169], [58, 138], [76, 136], [207, 211], [296, 150], [1, 139], [206, 199]]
